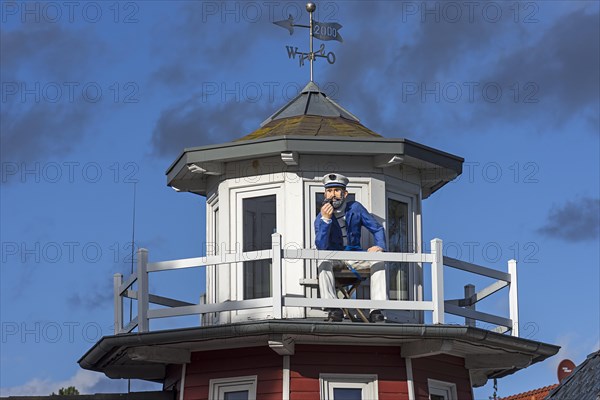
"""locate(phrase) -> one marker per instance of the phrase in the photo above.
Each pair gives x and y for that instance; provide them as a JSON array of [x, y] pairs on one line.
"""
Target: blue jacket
[[329, 236]]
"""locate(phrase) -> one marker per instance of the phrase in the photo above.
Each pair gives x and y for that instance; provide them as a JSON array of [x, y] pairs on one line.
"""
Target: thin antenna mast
[[132, 253]]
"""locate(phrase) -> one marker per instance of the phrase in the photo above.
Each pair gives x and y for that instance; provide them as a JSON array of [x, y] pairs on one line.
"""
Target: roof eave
[[110, 350], [275, 145]]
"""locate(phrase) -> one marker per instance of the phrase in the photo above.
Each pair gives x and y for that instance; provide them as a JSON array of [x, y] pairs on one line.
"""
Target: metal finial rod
[[311, 7]]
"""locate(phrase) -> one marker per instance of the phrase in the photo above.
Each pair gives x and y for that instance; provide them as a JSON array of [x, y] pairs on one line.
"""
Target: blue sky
[[100, 96]]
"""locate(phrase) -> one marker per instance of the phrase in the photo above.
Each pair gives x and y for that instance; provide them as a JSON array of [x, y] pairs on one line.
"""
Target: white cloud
[[83, 380], [87, 382], [575, 347]]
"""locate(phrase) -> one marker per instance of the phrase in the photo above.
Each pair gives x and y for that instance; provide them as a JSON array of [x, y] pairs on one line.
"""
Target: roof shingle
[[537, 394]]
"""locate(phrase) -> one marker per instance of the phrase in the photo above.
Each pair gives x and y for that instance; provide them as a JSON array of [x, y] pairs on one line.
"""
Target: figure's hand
[[327, 210], [374, 249]]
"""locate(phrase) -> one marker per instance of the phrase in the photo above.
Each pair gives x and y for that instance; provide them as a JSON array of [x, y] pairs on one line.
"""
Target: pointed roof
[[312, 123], [311, 113], [311, 101]]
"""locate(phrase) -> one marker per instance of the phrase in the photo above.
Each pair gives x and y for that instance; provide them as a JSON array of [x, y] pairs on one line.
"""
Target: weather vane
[[319, 30]]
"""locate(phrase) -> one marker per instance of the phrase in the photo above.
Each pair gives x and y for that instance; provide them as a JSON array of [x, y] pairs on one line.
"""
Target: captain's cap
[[335, 180]]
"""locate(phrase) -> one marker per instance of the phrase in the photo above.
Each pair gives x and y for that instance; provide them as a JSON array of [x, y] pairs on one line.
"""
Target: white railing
[[464, 307]]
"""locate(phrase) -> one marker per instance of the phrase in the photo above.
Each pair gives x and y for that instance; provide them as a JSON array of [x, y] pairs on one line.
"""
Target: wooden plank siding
[[260, 361], [442, 368], [311, 360]]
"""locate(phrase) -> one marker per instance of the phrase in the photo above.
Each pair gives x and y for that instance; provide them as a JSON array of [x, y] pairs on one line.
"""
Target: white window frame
[[366, 382], [405, 193], [238, 219], [219, 387], [440, 388], [237, 195], [412, 243], [212, 247]]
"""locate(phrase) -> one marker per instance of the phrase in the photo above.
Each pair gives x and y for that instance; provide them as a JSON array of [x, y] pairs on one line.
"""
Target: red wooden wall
[[311, 360], [442, 368], [260, 361]]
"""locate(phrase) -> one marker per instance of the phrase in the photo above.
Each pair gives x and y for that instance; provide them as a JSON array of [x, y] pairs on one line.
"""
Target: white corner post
[[276, 273], [142, 292], [118, 302], [437, 281], [513, 297]]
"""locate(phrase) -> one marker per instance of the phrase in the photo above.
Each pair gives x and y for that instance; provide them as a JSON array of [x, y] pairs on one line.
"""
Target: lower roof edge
[[106, 352]]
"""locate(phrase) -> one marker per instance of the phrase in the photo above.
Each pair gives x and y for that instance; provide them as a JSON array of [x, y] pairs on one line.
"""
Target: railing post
[[276, 273], [118, 302], [469, 291], [437, 281], [142, 292], [513, 297]]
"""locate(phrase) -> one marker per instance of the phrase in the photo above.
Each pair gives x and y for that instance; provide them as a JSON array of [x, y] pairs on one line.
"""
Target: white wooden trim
[[276, 275], [478, 315], [117, 303], [476, 269], [223, 291], [403, 186], [142, 295], [223, 258], [204, 308], [409, 379], [182, 381], [367, 382], [357, 255], [437, 281], [213, 237], [513, 297], [419, 249], [397, 191], [286, 378], [218, 387], [266, 187], [446, 389], [128, 282], [354, 303]]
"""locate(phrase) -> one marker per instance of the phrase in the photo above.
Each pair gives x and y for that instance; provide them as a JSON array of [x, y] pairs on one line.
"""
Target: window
[[439, 390], [239, 388], [348, 387], [259, 223], [398, 234]]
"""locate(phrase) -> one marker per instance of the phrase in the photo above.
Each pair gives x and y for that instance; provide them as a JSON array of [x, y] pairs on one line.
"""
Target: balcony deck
[[437, 305]]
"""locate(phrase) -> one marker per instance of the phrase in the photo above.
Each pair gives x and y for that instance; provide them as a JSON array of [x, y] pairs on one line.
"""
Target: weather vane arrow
[[287, 24], [320, 30]]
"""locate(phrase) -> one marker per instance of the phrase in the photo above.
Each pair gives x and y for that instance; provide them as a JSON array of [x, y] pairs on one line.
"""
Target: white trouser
[[378, 277]]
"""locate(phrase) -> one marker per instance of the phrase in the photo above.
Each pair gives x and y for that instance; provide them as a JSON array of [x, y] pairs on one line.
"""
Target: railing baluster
[[513, 298], [469, 291], [118, 303], [276, 281], [142, 293], [437, 281]]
